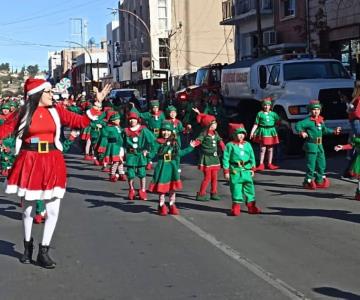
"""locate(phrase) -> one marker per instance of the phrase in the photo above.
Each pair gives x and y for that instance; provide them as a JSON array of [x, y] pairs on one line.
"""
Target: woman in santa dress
[[39, 171]]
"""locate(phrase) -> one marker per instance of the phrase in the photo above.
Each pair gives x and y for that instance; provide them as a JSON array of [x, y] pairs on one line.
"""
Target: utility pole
[[260, 44]]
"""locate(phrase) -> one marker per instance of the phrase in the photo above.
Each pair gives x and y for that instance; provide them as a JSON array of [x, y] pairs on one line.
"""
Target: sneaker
[[122, 177], [142, 195], [309, 185], [215, 197], [324, 185], [131, 194], [272, 167], [235, 210], [162, 210], [260, 167], [173, 210], [202, 197], [113, 178], [252, 208]]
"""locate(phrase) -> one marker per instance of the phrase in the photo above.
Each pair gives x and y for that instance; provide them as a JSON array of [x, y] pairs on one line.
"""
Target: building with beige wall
[[197, 39]]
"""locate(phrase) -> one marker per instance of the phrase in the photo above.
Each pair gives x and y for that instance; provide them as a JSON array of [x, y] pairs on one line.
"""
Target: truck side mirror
[[262, 77]]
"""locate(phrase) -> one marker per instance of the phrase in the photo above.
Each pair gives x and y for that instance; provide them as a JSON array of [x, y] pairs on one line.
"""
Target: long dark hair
[[28, 109]]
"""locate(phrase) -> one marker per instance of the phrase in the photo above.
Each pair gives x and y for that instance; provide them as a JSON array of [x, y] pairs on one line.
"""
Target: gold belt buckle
[[319, 140], [156, 130], [241, 163], [40, 147], [167, 157]]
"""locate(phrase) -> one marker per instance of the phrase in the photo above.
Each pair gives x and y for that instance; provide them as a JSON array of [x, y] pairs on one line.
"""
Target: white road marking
[[277, 283]]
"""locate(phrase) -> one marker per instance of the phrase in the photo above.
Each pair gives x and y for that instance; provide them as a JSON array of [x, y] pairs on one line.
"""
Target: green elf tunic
[[177, 128], [95, 130], [313, 147], [166, 176], [111, 143], [355, 166], [7, 156], [209, 156], [238, 161], [152, 121], [265, 134], [135, 143]]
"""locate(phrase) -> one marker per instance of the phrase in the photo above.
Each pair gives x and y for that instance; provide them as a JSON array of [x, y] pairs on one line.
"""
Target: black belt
[[41, 147], [263, 126], [239, 164], [111, 140]]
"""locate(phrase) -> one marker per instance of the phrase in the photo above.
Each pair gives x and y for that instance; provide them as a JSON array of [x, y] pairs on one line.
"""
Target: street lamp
[[91, 63], [148, 32]]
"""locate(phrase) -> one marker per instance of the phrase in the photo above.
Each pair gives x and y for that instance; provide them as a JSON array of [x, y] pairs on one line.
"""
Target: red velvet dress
[[43, 175]]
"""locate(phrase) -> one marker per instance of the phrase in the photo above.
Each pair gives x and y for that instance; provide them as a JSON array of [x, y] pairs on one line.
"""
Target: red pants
[[209, 175]]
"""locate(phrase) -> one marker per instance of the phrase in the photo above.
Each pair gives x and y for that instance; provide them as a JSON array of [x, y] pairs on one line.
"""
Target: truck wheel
[[289, 142]]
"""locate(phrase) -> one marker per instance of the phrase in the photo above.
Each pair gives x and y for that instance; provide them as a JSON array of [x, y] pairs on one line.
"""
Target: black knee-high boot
[[28, 252], [43, 258]]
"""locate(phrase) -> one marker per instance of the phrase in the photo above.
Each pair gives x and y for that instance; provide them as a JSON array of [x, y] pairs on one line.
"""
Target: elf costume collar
[[319, 120], [133, 132]]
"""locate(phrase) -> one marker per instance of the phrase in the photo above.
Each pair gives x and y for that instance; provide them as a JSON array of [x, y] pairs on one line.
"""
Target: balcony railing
[[228, 9]]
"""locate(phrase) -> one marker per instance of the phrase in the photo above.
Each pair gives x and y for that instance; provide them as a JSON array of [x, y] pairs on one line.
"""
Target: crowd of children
[[128, 142]]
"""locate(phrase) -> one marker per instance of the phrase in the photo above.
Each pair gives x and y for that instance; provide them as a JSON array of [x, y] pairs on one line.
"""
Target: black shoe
[[43, 258], [28, 252]]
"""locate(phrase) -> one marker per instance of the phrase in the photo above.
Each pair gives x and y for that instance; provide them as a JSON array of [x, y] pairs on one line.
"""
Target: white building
[[113, 50], [54, 61]]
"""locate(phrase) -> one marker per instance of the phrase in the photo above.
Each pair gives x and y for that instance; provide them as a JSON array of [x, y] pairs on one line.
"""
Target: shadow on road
[[130, 207], [10, 211], [279, 173], [85, 177], [8, 249], [342, 215], [309, 193], [336, 293], [92, 193]]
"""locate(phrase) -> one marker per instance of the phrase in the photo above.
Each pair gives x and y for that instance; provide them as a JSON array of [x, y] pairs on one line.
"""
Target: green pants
[[40, 206], [133, 172], [241, 184], [315, 166]]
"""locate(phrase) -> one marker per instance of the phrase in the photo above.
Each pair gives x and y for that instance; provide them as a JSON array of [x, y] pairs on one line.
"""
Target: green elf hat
[[314, 104], [114, 117], [5, 106], [170, 108], [236, 128], [154, 103], [267, 101], [12, 103], [166, 125]]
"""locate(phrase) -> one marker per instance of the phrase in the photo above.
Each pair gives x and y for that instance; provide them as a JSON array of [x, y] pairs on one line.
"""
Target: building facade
[[336, 30], [54, 62]]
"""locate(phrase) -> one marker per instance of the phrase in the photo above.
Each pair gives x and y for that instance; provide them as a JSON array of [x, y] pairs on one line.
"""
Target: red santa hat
[[205, 120], [235, 128], [133, 115], [35, 85]]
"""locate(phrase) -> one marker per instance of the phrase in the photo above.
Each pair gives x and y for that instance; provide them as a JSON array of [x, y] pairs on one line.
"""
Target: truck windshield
[[201, 76], [314, 70]]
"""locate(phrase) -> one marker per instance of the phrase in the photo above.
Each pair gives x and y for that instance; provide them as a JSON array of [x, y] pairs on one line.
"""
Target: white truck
[[292, 81]]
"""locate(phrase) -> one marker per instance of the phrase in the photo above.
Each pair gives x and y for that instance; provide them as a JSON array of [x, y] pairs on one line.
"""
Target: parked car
[[120, 97]]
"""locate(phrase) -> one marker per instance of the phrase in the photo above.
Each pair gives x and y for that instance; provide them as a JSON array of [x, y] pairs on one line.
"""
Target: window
[[164, 53], [288, 8], [162, 6], [274, 75]]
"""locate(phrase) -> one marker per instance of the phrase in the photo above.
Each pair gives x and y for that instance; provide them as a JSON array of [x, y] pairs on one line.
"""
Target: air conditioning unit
[[145, 63], [269, 38]]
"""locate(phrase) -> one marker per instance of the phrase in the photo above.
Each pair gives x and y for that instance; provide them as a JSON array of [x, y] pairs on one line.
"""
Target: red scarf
[[319, 120]]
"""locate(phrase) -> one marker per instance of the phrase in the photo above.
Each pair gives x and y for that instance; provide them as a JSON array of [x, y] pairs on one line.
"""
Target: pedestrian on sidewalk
[[39, 171]]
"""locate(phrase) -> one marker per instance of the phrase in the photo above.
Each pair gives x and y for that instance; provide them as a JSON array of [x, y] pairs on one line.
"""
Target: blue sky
[[47, 23]]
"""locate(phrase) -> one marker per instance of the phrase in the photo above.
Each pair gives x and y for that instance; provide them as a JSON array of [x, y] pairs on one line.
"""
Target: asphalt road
[[304, 245]]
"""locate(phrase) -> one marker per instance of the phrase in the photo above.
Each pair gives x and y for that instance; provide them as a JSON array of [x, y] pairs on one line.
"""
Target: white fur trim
[[91, 116], [56, 118], [32, 195], [39, 88]]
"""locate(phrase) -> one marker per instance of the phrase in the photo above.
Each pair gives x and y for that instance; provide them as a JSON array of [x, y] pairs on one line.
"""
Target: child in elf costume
[[312, 130], [264, 133], [138, 142], [7, 155], [355, 166], [166, 178], [209, 141], [178, 128], [111, 147], [238, 164], [153, 120]]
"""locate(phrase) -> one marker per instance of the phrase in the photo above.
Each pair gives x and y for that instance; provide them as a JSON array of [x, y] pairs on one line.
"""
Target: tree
[[5, 67], [33, 70]]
